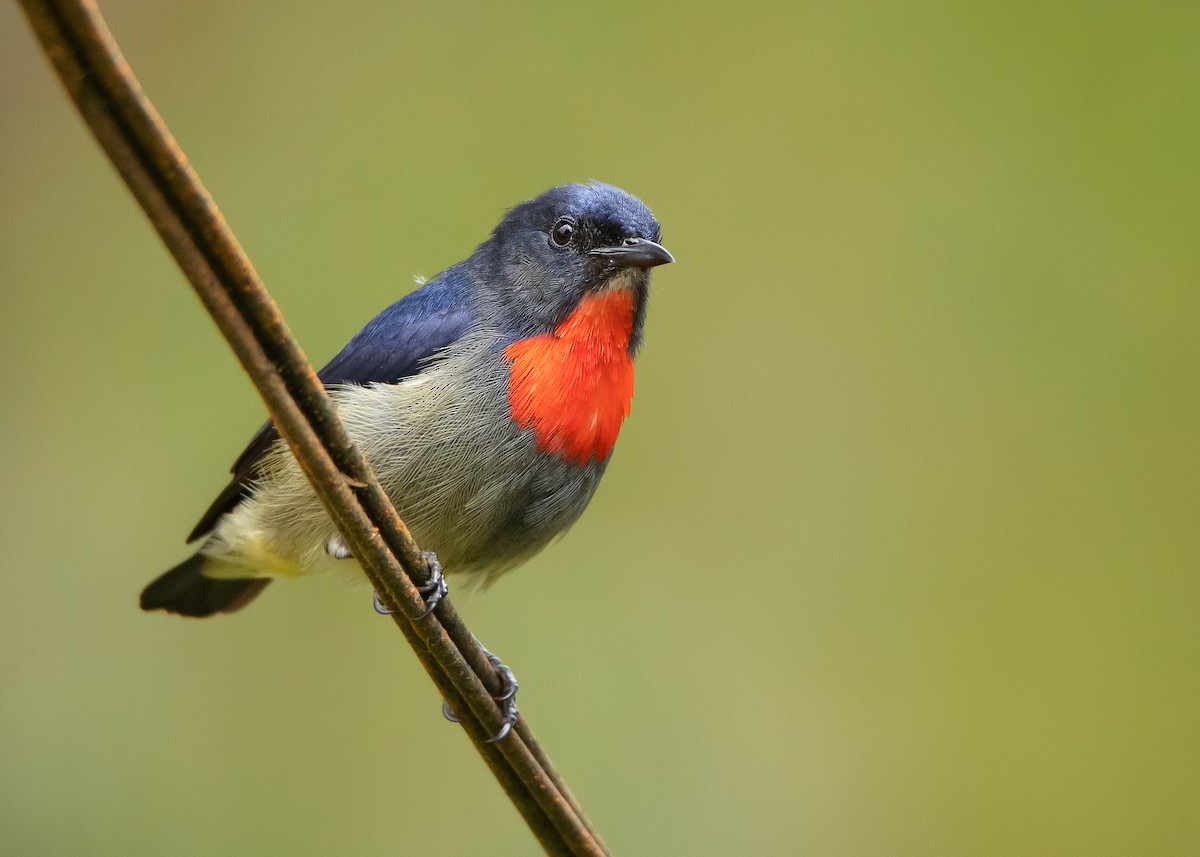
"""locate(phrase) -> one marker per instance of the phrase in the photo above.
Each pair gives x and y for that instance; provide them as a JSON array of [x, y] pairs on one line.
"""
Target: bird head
[[550, 252]]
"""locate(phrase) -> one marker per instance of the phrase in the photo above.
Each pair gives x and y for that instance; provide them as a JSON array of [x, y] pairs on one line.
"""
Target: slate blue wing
[[394, 345]]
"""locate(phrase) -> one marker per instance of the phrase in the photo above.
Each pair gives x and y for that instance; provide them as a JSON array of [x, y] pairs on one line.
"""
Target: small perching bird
[[488, 402]]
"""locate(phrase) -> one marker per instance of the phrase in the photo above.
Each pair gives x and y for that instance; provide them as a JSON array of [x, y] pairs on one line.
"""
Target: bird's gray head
[[573, 240]]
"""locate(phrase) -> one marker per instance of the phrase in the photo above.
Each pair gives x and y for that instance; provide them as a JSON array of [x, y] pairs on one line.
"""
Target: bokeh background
[[898, 552]]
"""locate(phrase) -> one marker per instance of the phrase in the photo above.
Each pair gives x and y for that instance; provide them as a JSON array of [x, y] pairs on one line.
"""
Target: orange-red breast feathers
[[573, 387]]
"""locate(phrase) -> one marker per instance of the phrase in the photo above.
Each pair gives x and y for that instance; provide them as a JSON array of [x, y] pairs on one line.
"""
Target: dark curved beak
[[635, 253]]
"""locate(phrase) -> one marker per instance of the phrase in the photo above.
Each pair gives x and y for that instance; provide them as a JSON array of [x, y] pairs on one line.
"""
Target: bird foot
[[506, 699], [432, 591]]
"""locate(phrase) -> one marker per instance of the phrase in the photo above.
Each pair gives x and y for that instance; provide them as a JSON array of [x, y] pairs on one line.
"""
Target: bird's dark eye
[[562, 233]]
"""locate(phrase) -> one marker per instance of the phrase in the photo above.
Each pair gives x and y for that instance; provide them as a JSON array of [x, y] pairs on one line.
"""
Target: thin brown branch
[[83, 52]]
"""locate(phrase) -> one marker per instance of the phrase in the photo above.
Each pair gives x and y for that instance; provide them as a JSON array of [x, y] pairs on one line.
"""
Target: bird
[[488, 402]]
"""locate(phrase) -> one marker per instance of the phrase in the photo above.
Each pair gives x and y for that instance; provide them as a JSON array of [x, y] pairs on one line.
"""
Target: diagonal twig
[[84, 54]]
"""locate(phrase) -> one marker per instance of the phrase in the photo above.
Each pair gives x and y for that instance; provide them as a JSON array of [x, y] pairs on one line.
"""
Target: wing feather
[[394, 345]]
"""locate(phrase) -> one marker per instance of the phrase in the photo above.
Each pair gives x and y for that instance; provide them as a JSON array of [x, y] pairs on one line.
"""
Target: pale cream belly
[[469, 484]]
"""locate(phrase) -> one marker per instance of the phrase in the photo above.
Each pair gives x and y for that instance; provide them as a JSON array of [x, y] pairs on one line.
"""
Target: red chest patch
[[573, 387]]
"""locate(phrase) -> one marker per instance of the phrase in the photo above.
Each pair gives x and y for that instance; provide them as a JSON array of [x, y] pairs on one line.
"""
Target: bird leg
[[432, 591], [506, 698]]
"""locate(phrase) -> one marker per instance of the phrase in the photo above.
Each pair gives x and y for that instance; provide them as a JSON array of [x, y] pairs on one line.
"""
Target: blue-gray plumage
[[487, 402]]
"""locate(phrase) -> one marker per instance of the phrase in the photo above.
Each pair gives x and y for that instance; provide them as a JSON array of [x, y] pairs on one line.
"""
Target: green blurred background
[[898, 552]]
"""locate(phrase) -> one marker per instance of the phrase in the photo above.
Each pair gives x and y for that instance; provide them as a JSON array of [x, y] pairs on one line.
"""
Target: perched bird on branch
[[487, 401]]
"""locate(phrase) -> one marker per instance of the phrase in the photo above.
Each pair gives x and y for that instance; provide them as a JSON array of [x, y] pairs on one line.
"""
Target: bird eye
[[562, 233]]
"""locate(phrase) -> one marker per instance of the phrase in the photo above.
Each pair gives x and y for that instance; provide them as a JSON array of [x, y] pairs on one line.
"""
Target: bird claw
[[506, 699], [432, 590]]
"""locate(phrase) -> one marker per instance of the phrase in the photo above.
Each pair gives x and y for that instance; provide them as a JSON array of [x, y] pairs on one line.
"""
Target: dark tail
[[185, 591]]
